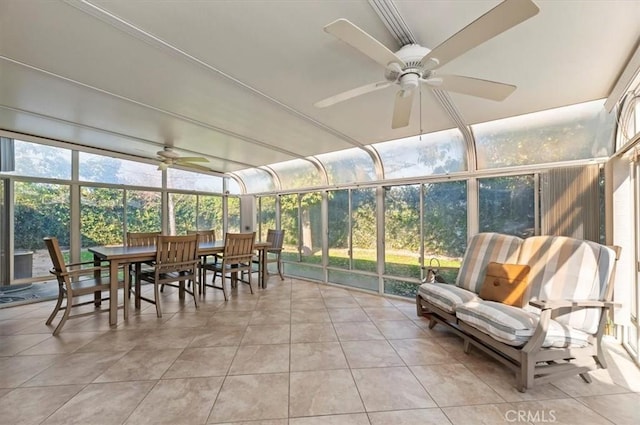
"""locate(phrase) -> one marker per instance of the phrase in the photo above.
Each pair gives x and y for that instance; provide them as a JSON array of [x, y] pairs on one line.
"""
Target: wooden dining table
[[118, 256]]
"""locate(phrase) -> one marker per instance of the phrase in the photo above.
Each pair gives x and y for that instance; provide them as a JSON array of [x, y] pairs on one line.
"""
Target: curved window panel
[[570, 133], [629, 120], [34, 160], [348, 166], [436, 153], [188, 180], [233, 186], [105, 169], [296, 174], [256, 180]]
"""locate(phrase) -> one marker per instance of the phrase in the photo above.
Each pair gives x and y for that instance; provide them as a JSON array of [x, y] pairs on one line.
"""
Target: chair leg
[[586, 377], [467, 346], [56, 309], [137, 285], [224, 291], [203, 281], [137, 294], [127, 297], [193, 292], [525, 376], [65, 316], [280, 268], [156, 291], [250, 285]]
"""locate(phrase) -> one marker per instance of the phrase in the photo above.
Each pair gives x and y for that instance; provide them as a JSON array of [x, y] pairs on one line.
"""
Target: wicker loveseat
[[558, 329]]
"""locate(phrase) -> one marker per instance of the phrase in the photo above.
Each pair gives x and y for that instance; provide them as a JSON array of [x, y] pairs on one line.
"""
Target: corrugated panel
[[570, 205]]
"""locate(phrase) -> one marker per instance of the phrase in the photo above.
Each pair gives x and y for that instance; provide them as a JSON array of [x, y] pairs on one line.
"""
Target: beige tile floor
[[297, 353]]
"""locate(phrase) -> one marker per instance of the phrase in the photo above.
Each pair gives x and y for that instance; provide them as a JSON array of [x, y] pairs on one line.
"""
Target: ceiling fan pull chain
[[420, 109]]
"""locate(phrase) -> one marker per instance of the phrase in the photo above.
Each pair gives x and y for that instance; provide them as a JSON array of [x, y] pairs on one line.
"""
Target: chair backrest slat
[[173, 250], [276, 237], [204, 236], [239, 247], [142, 238]]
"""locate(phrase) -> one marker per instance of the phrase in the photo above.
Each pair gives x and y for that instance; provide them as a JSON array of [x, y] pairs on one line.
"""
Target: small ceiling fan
[[414, 64], [169, 157]]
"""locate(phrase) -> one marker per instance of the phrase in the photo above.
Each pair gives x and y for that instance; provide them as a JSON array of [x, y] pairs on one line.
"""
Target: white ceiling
[[235, 81]]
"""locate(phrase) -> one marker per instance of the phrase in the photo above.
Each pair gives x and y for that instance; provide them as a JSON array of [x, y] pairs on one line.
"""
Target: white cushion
[[445, 296], [515, 326]]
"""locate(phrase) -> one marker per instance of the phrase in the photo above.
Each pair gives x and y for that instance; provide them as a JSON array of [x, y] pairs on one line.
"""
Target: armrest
[[79, 272], [555, 304]]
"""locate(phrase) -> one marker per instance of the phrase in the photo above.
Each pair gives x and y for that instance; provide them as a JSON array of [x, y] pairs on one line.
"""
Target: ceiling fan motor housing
[[412, 54], [409, 73], [167, 152]]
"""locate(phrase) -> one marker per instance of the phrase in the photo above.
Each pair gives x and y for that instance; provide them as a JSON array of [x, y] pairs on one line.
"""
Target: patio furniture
[[236, 258], [205, 236], [119, 255], [75, 281], [176, 261], [552, 327], [274, 252], [140, 239]]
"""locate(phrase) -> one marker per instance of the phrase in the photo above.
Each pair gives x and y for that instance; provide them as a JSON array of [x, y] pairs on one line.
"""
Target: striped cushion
[[515, 326], [481, 250], [445, 296], [564, 268]]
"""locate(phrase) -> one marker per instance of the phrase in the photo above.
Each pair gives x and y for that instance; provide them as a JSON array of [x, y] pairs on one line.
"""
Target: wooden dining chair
[[273, 254], [140, 239], [176, 263], [75, 281], [205, 236], [236, 259]]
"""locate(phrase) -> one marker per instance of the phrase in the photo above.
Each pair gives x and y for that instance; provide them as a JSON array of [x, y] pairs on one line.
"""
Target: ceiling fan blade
[[402, 109], [476, 87], [352, 93], [193, 166], [506, 15], [357, 38], [191, 159]]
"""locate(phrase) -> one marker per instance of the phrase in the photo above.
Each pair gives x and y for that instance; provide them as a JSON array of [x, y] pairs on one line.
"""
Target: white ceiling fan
[[414, 64], [169, 157]]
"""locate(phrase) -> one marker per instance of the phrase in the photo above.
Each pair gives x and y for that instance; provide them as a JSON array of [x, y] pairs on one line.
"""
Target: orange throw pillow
[[505, 283]]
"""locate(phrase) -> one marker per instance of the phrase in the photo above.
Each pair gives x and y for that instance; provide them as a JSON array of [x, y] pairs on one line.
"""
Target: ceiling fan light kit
[[414, 64]]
